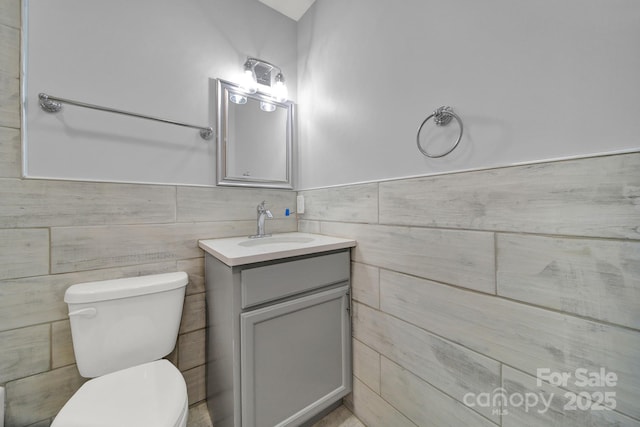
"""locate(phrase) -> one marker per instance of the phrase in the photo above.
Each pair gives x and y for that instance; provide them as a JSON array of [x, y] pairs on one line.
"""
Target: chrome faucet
[[263, 213]]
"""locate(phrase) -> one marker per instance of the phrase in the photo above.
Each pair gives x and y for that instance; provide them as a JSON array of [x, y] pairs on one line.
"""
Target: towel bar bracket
[[49, 105]]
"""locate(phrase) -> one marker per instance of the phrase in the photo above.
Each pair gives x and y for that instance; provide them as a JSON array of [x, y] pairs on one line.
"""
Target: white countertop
[[243, 250]]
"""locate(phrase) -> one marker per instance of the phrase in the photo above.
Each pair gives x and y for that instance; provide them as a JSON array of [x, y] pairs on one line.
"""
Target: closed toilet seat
[[153, 394]]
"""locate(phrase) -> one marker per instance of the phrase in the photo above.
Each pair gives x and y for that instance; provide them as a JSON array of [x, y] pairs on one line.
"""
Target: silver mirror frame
[[223, 88]]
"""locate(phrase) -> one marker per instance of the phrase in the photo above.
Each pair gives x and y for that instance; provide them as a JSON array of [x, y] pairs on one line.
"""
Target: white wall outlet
[[300, 204]]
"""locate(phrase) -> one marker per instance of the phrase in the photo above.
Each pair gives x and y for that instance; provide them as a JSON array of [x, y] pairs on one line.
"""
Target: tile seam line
[[483, 230], [512, 300], [385, 400], [472, 350], [455, 399], [577, 158]]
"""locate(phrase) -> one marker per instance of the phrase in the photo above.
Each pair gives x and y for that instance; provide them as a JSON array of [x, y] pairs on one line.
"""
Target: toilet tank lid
[[123, 288]]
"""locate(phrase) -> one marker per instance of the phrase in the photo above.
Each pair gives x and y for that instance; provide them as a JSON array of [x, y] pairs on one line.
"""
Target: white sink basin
[[243, 250], [274, 240]]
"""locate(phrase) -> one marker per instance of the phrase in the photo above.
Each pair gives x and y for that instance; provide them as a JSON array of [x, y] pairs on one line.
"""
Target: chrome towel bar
[[53, 104]]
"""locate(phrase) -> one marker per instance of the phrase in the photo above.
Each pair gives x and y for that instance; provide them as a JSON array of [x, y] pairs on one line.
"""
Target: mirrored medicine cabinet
[[255, 138]]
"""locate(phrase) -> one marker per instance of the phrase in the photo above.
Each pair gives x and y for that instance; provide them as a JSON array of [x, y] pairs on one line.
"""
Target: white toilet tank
[[117, 324]]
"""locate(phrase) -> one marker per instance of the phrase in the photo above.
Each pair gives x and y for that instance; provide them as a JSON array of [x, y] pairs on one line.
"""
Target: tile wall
[[55, 233], [466, 284]]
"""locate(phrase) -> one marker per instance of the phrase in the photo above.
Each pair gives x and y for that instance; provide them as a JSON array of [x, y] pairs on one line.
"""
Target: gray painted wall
[[159, 58], [531, 80]]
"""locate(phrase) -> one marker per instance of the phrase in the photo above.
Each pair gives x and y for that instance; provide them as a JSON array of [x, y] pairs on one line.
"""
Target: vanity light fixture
[[260, 71]]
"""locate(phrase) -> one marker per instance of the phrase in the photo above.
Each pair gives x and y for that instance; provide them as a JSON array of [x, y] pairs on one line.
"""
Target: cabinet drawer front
[[271, 282]]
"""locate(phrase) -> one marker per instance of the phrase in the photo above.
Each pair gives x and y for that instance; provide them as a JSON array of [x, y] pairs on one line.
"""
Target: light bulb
[[248, 80], [280, 92], [267, 106], [236, 98]]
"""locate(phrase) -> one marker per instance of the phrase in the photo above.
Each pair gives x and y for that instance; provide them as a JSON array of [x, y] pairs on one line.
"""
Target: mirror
[[255, 138]]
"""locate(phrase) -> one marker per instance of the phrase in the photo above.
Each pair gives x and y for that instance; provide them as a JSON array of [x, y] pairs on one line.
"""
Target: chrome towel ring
[[441, 117]]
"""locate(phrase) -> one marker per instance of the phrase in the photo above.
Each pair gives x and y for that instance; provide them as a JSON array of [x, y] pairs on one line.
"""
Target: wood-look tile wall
[[55, 233], [39, 260], [468, 283]]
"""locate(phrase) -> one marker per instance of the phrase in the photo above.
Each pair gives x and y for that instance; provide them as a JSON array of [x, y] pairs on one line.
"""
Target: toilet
[[121, 329]]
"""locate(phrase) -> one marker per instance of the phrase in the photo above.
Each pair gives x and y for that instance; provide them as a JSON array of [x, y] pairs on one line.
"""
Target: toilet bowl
[[120, 330], [153, 394]]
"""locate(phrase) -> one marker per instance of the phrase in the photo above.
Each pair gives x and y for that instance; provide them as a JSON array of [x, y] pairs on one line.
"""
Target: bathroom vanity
[[278, 328]]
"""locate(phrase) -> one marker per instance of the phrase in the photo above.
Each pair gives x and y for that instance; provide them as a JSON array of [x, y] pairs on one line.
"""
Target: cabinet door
[[295, 358]]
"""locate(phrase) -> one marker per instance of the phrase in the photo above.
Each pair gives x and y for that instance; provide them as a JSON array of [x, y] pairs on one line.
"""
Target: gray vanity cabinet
[[279, 339]]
